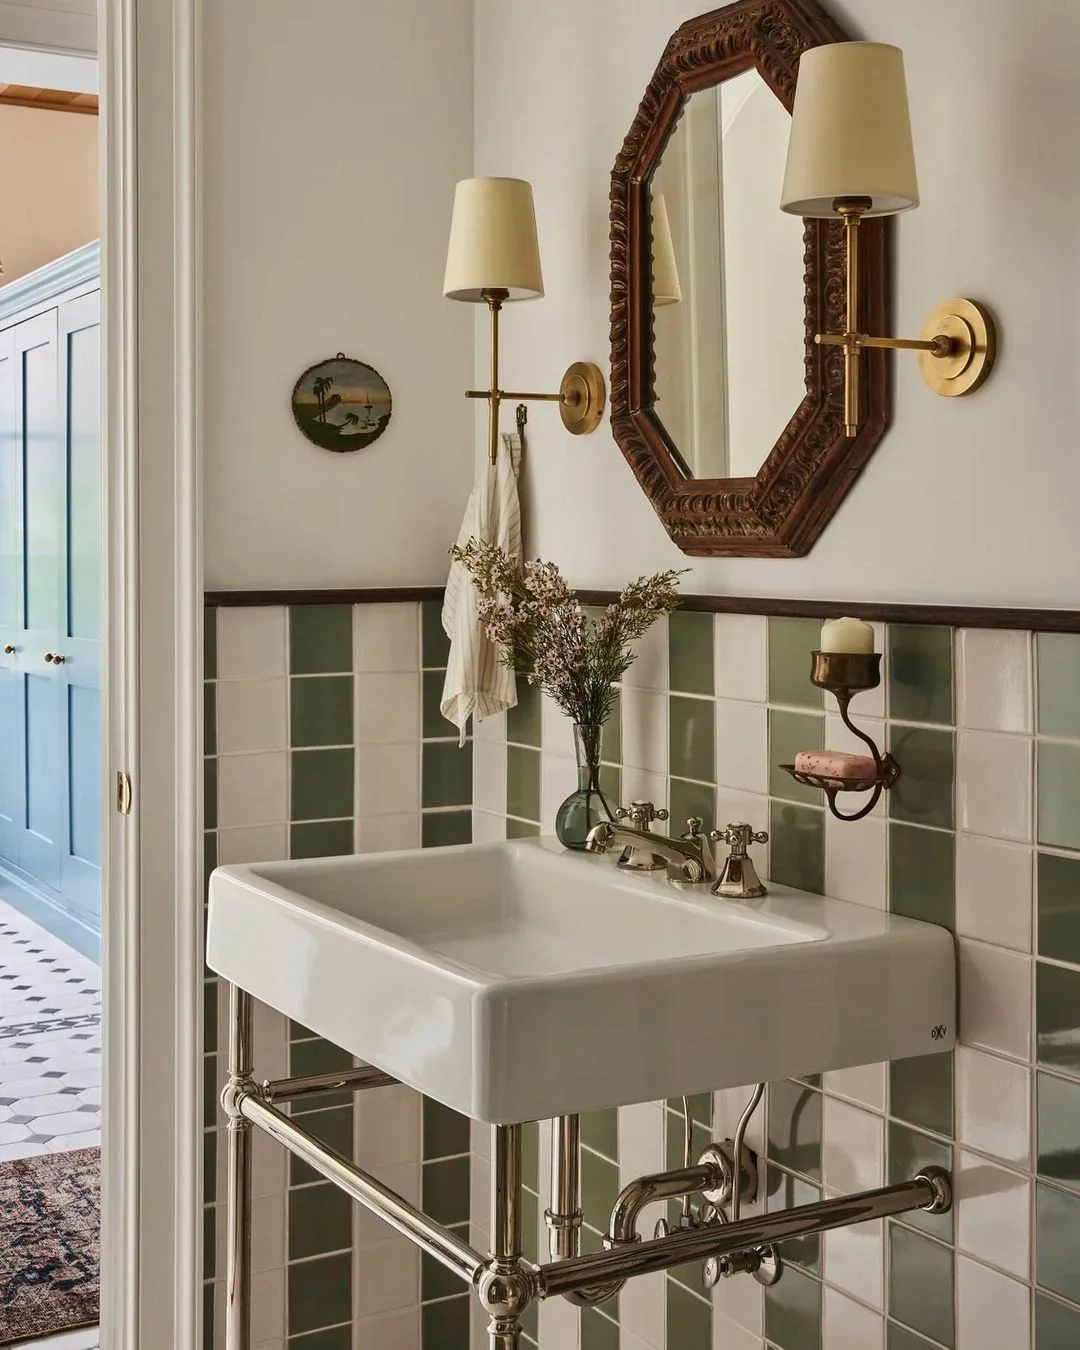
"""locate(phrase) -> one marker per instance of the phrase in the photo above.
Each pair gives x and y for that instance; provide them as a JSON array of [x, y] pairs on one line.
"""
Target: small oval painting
[[341, 404]]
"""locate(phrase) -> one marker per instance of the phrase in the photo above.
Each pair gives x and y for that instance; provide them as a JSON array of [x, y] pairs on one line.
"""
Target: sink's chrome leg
[[502, 1290], [238, 1242]]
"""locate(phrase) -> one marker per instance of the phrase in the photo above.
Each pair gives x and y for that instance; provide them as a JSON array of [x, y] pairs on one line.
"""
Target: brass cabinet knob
[[9, 650], [55, 658]]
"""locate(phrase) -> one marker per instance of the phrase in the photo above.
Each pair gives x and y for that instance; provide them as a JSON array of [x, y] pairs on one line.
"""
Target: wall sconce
[[494, 257], [850, 155]]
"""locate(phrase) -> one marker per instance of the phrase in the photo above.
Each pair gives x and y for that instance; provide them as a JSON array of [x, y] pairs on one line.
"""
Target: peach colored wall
[[49, 169]]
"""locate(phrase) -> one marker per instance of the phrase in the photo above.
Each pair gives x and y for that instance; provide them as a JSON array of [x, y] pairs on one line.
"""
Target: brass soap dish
[[845, 674]]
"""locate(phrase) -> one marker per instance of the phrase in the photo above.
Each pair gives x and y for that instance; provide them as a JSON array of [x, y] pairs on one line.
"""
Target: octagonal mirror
[[728, 412]]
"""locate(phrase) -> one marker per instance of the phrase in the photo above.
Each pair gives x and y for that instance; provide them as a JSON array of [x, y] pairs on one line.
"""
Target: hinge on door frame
[[124, 794]]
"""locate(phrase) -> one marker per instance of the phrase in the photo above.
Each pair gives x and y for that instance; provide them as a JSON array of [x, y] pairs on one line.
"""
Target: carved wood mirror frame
[[804, 477]]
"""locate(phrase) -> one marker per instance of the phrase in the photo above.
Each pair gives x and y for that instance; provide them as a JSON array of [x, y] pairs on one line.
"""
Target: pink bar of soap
[[836, 766]]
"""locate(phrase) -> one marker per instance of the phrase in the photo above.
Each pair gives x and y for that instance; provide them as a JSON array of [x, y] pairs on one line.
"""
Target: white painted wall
[[333, 135], [966, 501]]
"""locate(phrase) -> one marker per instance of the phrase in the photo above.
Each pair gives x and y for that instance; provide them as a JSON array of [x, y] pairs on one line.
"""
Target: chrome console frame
[[504, 1281]]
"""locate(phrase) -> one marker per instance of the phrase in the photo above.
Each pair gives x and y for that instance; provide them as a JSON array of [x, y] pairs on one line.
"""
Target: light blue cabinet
[[51, 763]]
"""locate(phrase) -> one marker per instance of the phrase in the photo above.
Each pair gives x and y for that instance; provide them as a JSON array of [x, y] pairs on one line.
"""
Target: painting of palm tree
[[341, 404]]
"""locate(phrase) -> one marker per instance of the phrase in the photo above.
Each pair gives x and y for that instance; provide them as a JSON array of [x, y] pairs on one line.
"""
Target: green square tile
[[209, 642], [445, 1325], [690, 653], [599, 1189], [530, 1227], [320, 1293], [322, 784], [1059, 791], [522, 783], [921, 1091], [320, 639], [210, 1016], [921, 1284], [797, 846], [1057, 1240], [692, 739], [435, 1280], [920, 674], [1058, 660], [530, 1156], [790, 643], [611, 746], [789, 733], [209, 1242], [209, 718], [318, 1056], [333, 1338], [908, 1152], [320, 1220], [208, 1320], [690, 799], [611, 783], [446, 1132], [321, 710], [321, 839], [924, 792], [600, 1132], [523, 721], [899, 1338], [334, 1128], [795, 1128], [521, 829], [446, 1190], [1058, 1112], [793, 1312], [1057, 1325], [1057, 1017], [689, 1319], [1059, 907], [598, 1331], [441, 829], [209, 858], [675, 1140], [211, 1090], [784, 1190], [922, 874], [210, 1138], [447, 773], [701, 1108], [434, 644], [209, 794], [433, 724]]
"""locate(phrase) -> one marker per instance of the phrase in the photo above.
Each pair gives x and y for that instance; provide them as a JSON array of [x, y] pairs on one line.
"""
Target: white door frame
[[152, 894]]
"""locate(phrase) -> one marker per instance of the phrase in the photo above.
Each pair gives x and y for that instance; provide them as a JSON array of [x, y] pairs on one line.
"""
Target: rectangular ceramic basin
[[515, 981]]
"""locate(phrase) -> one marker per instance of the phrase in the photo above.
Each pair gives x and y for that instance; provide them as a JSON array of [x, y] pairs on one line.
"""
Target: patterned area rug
[[49, 1247]]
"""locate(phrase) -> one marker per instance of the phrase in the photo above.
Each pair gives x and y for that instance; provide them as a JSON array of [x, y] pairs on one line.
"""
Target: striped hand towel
[[477, 683]]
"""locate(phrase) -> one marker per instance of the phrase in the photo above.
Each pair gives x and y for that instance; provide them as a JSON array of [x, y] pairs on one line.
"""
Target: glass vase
[[587, 806]]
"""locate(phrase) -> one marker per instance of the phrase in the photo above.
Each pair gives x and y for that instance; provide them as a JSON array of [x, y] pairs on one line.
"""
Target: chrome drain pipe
[[564, 1217]]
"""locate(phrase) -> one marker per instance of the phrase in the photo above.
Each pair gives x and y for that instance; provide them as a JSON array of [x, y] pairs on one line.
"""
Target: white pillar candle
[[846, 635]]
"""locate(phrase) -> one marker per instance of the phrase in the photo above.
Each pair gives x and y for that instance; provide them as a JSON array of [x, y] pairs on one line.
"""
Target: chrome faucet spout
[[599, 837]]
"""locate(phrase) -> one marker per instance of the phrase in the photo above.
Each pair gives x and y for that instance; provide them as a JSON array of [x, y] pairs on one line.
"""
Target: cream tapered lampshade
[[850, 132], [493, 241], [665, 271]]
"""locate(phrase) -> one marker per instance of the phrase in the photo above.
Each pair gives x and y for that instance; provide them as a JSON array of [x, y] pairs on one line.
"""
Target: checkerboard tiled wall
[[323, 736], [981, 834]]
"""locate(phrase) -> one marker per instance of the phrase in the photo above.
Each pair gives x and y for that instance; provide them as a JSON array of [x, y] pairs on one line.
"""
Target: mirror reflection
[[729, 344]]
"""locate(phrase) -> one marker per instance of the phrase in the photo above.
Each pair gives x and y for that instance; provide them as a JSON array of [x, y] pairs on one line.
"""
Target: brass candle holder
[[845, 674]]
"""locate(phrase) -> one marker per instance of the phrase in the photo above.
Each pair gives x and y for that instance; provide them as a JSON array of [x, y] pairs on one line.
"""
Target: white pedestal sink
[[515, 981]]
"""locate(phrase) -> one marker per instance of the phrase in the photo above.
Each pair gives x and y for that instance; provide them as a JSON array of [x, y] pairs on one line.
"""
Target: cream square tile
[[993, 1312], [855, 1261], [728, 1106], [645, 730], [650, 669], [480, 1192], [742, 745], [253, 789], [403, 1178], [993, 784], [838, 737], [560, 1325], [993, 680], [995, 999], [268, 1232], [733, 806], [251, 642], [641, 786], [491, 728], [742, 656], [994, 891], [388, 708], [489, 776], [386, 637], [856, 860], [558, 778], [252, 715], [865, 1084], [386, 1276], [731, 1336], [740, 1301], [253, 843], [388, 833], [270, 1040], [641, 1152], [993, 1105], [388, 779], [487, 828], [387, 1129], [268, 1159], [392, 1331], [994, 1214], [480, 1141], [848, 1325], [267, 1303], [643, 1304], [556, 729], [852, 1147], [628, 1341]]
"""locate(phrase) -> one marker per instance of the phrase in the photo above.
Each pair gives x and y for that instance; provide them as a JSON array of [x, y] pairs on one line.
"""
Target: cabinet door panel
[[12, 743], [12, 758], [40, 853]]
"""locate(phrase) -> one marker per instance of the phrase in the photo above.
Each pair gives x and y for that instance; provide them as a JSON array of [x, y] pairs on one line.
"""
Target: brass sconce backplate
[[581, 398], [972, 347]]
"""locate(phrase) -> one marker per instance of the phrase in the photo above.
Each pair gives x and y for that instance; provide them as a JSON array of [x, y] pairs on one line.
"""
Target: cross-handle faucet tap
[[738, 877]]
